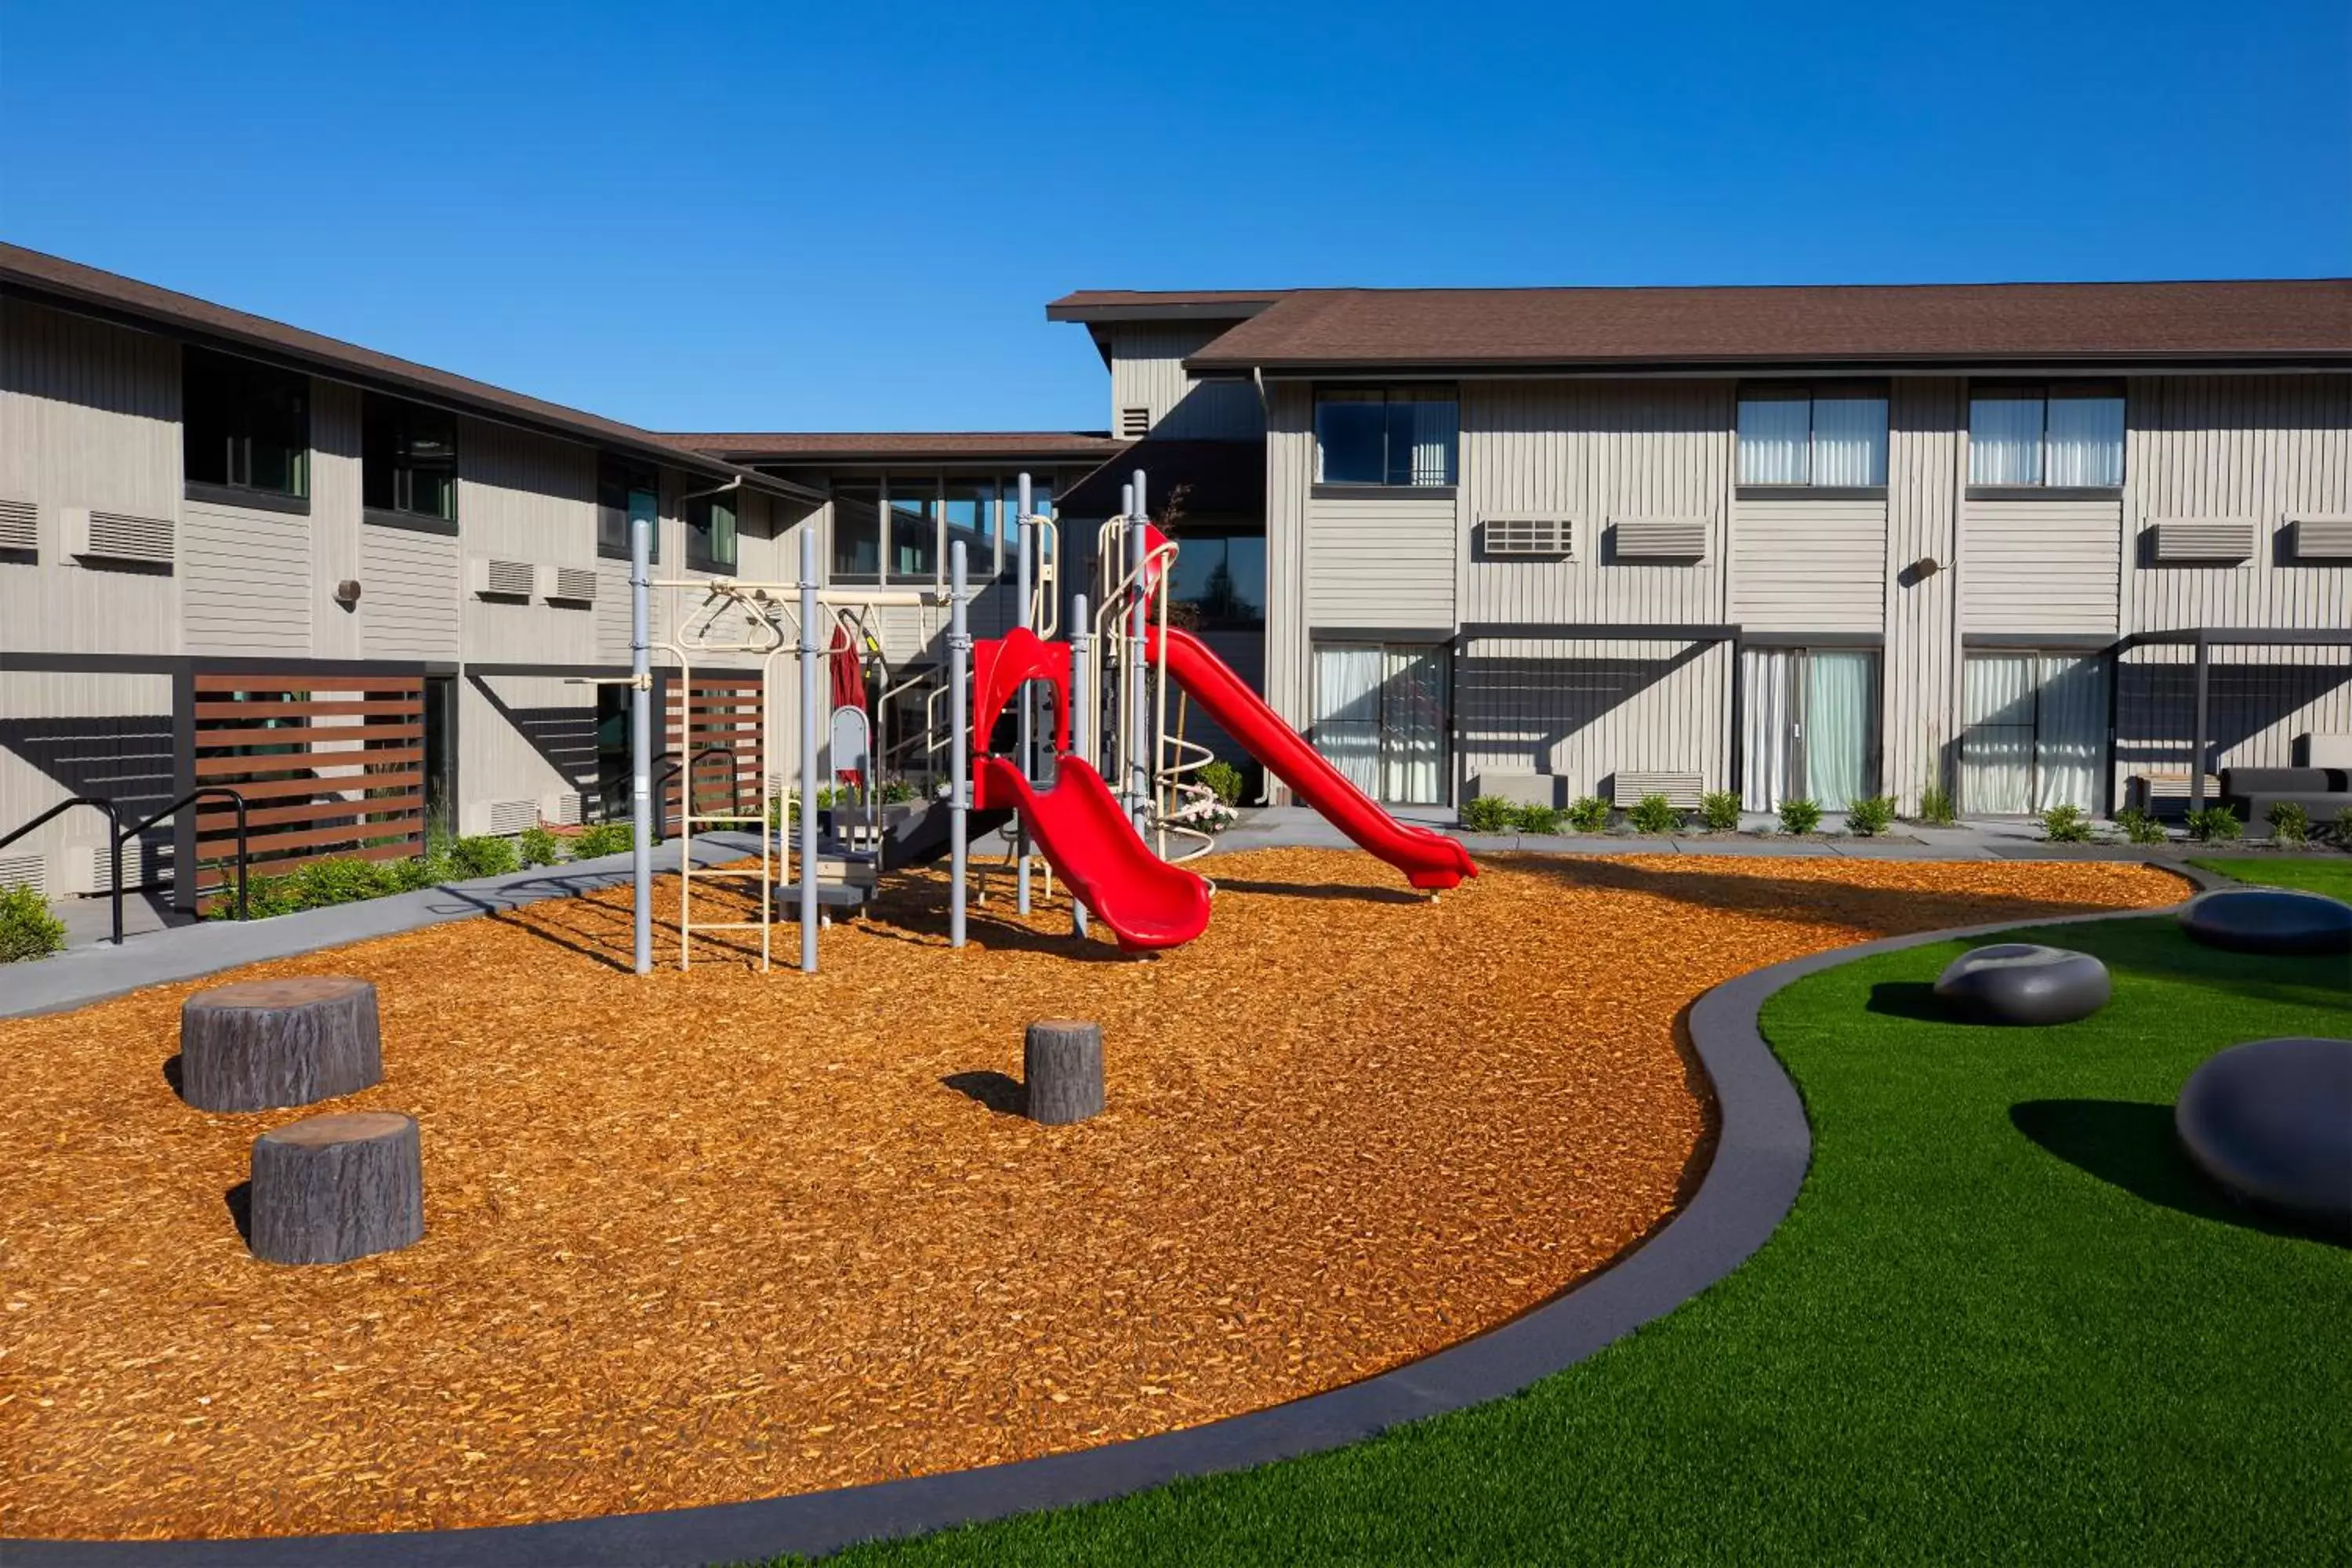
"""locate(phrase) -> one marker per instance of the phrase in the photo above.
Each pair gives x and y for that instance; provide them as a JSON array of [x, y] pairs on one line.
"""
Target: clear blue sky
[[803, 218]]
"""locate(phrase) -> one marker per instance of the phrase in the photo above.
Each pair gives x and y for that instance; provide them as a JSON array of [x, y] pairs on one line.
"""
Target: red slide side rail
[[1430, 860], [1086, 836]]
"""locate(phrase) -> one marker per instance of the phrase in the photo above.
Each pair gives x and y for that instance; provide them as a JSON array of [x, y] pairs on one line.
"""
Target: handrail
[[244, 866], [114, 821], [669, 765]]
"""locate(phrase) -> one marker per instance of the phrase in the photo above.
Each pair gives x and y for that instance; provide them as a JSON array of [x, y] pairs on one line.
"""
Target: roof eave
[[2326, 360]]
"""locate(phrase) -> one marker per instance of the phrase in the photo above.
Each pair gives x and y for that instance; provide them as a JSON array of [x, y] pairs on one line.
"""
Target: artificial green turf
[[2333, 877], [2004, 1323]]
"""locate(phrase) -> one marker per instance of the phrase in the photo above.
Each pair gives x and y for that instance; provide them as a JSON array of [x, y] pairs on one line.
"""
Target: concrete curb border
[[1761, 1155]]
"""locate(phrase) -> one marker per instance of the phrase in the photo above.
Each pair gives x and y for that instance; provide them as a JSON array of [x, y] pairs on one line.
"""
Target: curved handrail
[[114, 824], [244, 864]]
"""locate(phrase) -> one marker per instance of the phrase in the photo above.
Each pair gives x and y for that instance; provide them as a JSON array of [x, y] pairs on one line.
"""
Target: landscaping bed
[[714, 1234]]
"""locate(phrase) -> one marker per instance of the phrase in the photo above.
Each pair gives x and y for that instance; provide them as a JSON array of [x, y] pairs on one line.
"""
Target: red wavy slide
[[1429, 860], [1086, 836]]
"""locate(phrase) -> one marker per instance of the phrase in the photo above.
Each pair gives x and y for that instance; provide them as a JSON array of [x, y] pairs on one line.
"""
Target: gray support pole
[[808, 652], [641, 739], [1081, 716], [1134, 689], [959, 744], [2204, 720], [1025, 751]]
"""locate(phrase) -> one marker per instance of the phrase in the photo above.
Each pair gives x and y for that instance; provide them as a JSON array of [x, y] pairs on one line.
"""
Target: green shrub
[[265, 897], [899, 792], [1719, 809], [1871, 816], [2290, 823], [1219, 776], [2139, 826], [2065, 825], [1653, 813], [27, 930], [324, 883], [1488, 814], [1799, 815], [2343, 826], [483, 855], [538, 847], [1589, 813], [1536, 819], [604, 838], [426, 870], [2214, 825], [1936, 807]]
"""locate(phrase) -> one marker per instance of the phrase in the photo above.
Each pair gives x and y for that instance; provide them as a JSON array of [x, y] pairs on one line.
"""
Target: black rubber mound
[[2271, 1121], [2269, 919], [2022, 983]]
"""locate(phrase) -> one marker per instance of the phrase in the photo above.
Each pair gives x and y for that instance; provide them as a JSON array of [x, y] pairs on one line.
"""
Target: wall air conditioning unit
[[1659, 538], [93, 535], [508, 818], [1134, 423], [2208, 539], [20, 525], [1529, 536], [2323, 536], [494, 579], [572, 585], [25, 871]]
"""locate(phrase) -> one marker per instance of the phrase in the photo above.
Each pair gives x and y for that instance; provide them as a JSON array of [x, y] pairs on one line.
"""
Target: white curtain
[[2005, 440], [1997, 733], [1435, 427], [2071, 735], [1837, 727], [1347, 712], [1775, 437], [1412, 718], [1763, 727], [2086, 440], [1849, 441]]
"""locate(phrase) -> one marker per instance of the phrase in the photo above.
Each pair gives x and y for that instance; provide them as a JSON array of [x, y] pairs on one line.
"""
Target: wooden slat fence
[[331, 767]]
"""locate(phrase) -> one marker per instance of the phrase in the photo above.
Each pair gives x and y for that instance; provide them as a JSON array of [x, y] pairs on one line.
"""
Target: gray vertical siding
[[1919, 689], [1584, 708], [1289, 474], [336, 551], [1147, 371]]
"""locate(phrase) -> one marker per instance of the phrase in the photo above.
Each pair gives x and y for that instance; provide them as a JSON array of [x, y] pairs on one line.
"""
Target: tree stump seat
[[331, 1188], [1062, 1067], [263, 1043]]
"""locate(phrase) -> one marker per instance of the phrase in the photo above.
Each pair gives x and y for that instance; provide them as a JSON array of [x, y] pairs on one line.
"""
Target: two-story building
[[2022, 542]]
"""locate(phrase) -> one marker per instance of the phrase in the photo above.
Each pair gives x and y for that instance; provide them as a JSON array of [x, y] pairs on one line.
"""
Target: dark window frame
[[389, 429], [226, 425], [618, 478], [1812, 392], [1209, 622], [1389, 398], [2045, 393], [701, 513]]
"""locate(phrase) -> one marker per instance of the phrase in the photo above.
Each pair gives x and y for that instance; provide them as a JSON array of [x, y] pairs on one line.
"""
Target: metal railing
[[117, 835]]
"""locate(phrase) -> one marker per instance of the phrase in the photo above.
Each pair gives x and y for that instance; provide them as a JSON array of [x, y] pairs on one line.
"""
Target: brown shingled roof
[[809, 446], [54, 281], [2291, 320]]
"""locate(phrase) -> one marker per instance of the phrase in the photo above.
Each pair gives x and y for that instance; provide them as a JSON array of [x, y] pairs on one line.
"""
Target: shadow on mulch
[[1005, 1096], [2133, 1145], [1342, 890], [238, 1200], [175, 1074]]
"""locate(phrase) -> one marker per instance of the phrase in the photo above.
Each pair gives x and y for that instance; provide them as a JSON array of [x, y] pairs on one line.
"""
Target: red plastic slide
[[1429, 860], [1088, 839]]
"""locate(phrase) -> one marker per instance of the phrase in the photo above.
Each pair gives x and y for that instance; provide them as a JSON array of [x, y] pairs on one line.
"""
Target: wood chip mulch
[[718, 1235]]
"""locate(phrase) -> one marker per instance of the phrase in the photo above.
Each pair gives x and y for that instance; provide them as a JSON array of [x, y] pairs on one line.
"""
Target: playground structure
[[1113, 805]]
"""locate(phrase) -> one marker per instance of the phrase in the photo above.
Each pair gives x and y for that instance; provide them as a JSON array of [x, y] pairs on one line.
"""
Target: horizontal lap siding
[[526, 496], [1594, 452], [2040, 565], [1382, 561], [524, 738], [412, 580], [247, 581], [1810, 565], [110, 736]]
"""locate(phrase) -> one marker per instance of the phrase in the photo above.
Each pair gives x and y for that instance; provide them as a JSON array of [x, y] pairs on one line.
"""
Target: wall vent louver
[[508, 818], [573, 586], [1134, 423], [2323, 536], [30, 869], [2209, 539], [1661, 538], [563, 808], [20, 525], [89, 867], [494, 579], [117, 536], [1553, 536]]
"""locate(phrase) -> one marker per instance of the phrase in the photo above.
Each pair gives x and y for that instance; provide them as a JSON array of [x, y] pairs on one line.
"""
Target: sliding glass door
[[1381, 718], [1808, 726], [2034, 731]]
